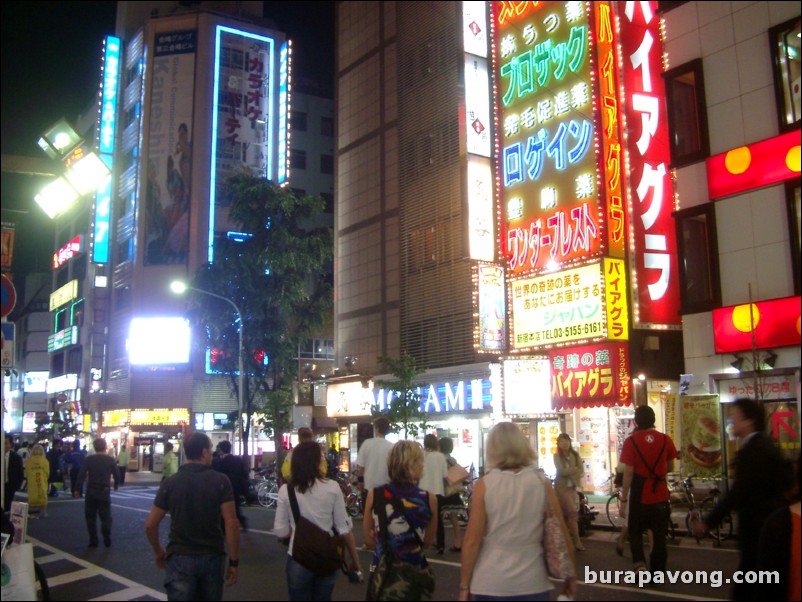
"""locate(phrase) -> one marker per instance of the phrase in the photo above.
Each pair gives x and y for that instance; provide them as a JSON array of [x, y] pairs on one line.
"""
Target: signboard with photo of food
[[547, 433], [701, 435]]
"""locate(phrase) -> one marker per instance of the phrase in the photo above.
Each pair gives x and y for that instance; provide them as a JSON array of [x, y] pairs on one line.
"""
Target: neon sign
[[67, 252]]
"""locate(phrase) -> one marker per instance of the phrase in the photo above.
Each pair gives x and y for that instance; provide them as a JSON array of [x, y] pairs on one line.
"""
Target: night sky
[[50, 69]]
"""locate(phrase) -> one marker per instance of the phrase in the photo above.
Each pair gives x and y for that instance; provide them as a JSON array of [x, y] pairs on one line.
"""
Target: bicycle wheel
[[691, 520], [267, 494], [352, 505], [614, 512]]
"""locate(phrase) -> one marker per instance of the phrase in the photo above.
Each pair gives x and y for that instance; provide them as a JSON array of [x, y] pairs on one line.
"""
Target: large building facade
[[505, 189]]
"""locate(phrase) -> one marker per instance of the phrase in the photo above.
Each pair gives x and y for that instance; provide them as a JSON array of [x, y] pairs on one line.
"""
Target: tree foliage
[[403, 396], [277, 278]]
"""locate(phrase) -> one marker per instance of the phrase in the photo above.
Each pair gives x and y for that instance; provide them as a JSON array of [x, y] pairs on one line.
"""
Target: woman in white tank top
[[502, 553]]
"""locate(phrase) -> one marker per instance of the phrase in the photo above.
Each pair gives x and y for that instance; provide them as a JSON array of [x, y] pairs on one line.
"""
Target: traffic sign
[[8, 296]]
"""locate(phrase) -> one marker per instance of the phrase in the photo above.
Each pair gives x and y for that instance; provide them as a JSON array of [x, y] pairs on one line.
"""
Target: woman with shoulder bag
[[569, 476], [402, 527], [504, 553], [321, 502]]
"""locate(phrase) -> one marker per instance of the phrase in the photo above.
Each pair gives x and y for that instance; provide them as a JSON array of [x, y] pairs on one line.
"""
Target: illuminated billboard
[[581, 304], [653, 245], [68, 251], [158, 341], [548, 135], [527, 386], [774, 323], [590, 375], [492, 315]]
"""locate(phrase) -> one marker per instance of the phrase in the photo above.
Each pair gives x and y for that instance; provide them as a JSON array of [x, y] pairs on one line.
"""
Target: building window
[[700, 289], [326, 164], [795, 224], [298, 121], [326, 126], [687, 114], [785, 43], [297, 159], [75, 360]]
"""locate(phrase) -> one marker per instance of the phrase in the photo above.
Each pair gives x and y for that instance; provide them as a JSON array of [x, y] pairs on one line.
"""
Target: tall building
[[505, 199], [734, 107]]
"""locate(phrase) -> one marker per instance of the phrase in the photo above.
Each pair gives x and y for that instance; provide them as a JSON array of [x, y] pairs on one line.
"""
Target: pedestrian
[[13, 474], [371, 460], [75, 460], [762, 476], [122, 463], [320, 501], [569, 479], [332, 463], [236, 471], [779, 547], [199, 500], [433, 480], [647, 456], [304, 434], [98, 470], [503, 556], [55, 457], [169, 461], [452, 504], [409, 512], [37, 473]]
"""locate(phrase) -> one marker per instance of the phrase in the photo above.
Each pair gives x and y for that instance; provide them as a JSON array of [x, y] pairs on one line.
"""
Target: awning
[[324, 424]]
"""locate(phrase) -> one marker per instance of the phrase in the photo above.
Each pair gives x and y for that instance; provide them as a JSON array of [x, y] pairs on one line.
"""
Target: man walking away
[[54, 457], [122, 463], [234, 468], [13, 476], [75, 460], [762, 475], [647, 457], [98, 470], [196, 498], [371, 461]]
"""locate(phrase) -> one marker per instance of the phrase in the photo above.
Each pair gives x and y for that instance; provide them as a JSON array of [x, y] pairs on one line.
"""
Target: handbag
[[559, 556], [455, 476], [313, 548], [396, 580]]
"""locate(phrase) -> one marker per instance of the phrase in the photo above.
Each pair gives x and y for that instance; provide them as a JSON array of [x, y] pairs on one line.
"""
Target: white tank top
[[511, 560]]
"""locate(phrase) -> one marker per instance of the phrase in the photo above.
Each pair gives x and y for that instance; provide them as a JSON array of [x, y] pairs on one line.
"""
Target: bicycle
[[266, 487], [723, 530]]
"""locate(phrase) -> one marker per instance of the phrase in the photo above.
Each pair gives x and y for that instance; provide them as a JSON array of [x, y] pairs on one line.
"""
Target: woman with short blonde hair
[[405, 463], [502, 553]]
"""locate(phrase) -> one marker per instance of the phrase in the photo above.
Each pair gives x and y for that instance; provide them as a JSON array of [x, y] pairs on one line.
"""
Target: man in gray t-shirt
[[196, 498]]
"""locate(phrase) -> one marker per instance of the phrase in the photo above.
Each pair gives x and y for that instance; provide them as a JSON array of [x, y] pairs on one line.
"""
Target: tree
[[276, 276], [403, 396]]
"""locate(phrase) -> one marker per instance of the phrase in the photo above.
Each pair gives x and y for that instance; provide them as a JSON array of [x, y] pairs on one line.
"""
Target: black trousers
[[97, 505], [651, 517]]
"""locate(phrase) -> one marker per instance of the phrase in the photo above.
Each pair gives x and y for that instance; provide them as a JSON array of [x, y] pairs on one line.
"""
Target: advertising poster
[[168, 190], [547, 433], [700, 436], [492, 316], [594, 447]]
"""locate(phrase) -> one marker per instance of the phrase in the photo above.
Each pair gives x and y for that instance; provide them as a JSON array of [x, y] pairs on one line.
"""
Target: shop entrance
[[143, 453]]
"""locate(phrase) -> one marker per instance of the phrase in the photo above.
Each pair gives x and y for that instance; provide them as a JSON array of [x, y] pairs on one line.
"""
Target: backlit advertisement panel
[[558, 308], [615, 293], [477, 106], [527, 386], [158, 341], [492, 320], [590, 375], [474, 28], [168, 192], [548, 135], [653, 245], [774, 323], [251, 73], [68, 251], [481, 213]]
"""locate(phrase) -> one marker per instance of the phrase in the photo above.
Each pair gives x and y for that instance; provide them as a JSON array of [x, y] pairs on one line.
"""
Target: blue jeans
[[303, 584], [524, 598], [199, 577]]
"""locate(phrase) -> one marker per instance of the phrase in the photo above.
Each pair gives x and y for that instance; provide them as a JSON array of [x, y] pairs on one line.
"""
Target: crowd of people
[[504, 551]]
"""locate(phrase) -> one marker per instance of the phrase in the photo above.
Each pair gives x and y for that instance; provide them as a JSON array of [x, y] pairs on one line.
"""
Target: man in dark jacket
[[14, 474], [234, 468], [762, 475], [56, 459]]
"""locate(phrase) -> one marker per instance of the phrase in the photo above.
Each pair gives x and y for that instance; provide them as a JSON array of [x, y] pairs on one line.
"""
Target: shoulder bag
[[454, 481], [391, 579], [313, 548], [557, 550]]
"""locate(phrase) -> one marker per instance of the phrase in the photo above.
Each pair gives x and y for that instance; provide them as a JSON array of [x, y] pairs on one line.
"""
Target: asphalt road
[[126, 571]]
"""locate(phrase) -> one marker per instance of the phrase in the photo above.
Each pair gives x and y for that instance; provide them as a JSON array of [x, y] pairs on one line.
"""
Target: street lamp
[[179, 288]]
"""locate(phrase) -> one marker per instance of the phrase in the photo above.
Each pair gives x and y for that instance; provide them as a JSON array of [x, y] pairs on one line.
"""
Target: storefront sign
[[769, 388], [348, 399], [159, 417], [653, 245], [212, 421], [615, 295], [527, 387], [447, 398], [753, 166], [63, 295], [775, 323], [548, 134], [558, 308], [68, 251], [63, 338], [590, 375], [115, 418], [65, 382]]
